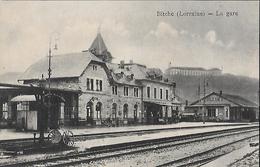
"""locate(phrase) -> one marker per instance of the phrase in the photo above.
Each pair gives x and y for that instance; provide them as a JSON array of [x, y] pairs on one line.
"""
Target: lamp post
[[40, 97], [50, 70]]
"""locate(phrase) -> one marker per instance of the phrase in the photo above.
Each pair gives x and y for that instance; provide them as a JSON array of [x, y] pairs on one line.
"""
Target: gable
[[214, 99]]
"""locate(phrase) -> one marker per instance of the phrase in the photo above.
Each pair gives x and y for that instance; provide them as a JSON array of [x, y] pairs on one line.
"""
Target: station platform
[[10, 134], [180, 130], [162, 134]]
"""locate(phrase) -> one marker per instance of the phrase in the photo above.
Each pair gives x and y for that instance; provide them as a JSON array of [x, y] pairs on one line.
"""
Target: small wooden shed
[[26, 112]]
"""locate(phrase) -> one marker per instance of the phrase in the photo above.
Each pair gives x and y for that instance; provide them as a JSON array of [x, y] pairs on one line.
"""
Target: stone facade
[[105, 97]]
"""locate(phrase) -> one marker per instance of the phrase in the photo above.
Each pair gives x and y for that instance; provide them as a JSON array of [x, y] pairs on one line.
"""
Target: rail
[[113, 149]]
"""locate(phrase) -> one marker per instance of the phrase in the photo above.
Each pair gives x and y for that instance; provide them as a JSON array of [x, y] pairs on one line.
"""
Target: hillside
[[10, 77], [187, 86]]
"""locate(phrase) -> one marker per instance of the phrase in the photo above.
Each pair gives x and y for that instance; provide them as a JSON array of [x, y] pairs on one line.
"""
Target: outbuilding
[[224, 107], [26, 118]]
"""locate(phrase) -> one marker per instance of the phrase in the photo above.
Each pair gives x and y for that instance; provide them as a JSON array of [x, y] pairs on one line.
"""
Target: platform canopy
[[22, 98], [161, 103]]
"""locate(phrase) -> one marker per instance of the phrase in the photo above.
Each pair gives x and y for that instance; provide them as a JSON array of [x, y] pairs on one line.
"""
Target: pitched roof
[[66, 65], [156, 72], [122, 75], [139, 72], [238, 100], [98, 45]]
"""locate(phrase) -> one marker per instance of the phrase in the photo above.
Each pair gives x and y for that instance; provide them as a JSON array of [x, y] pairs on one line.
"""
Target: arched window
[[125, 111], [114, 108], [98, 110], [89, 108]]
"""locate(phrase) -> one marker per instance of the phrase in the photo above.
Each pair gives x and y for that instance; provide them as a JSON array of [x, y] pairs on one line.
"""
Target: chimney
[[122, 64], [220, 92], [131, 62]]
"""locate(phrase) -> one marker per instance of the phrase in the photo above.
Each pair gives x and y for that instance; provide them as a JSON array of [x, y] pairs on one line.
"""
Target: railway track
[[196, 158], [121, 133], [110, 151]]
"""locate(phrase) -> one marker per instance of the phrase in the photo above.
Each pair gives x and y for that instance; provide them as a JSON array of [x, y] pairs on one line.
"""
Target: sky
[[133, 31]]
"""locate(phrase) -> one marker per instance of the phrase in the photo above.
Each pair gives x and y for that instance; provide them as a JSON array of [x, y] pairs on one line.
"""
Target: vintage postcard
[[129, 83]]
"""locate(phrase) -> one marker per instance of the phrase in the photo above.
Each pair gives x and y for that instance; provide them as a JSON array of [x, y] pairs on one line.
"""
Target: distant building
[[224, 107], [193, 71]]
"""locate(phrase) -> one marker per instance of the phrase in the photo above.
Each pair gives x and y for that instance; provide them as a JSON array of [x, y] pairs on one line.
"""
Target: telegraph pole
[[49, 69], [204, 94], [49, 83]]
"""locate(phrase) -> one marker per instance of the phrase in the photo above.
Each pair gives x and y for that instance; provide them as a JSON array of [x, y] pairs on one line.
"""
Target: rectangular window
[[23, 106], [211, 112], [88, 84], [161, 94], [5, 111], [167, 95], [97, 85], [154, 92], [100, 85], [114, 90], [148, 92], [91, 84], [125, 91], [5, 107], [135, 92]]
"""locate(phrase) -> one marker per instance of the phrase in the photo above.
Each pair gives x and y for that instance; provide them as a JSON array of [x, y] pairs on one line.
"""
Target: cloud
[[211, 38], [184, 32], [129, 32], [231, 44], [164, 30], [115, 27]]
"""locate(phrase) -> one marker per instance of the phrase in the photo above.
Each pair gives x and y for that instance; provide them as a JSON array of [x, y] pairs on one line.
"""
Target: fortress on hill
[[193, 71]]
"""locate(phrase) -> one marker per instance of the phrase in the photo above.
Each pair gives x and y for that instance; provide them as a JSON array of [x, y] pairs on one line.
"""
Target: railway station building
[[90, 90], [224, 107]]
